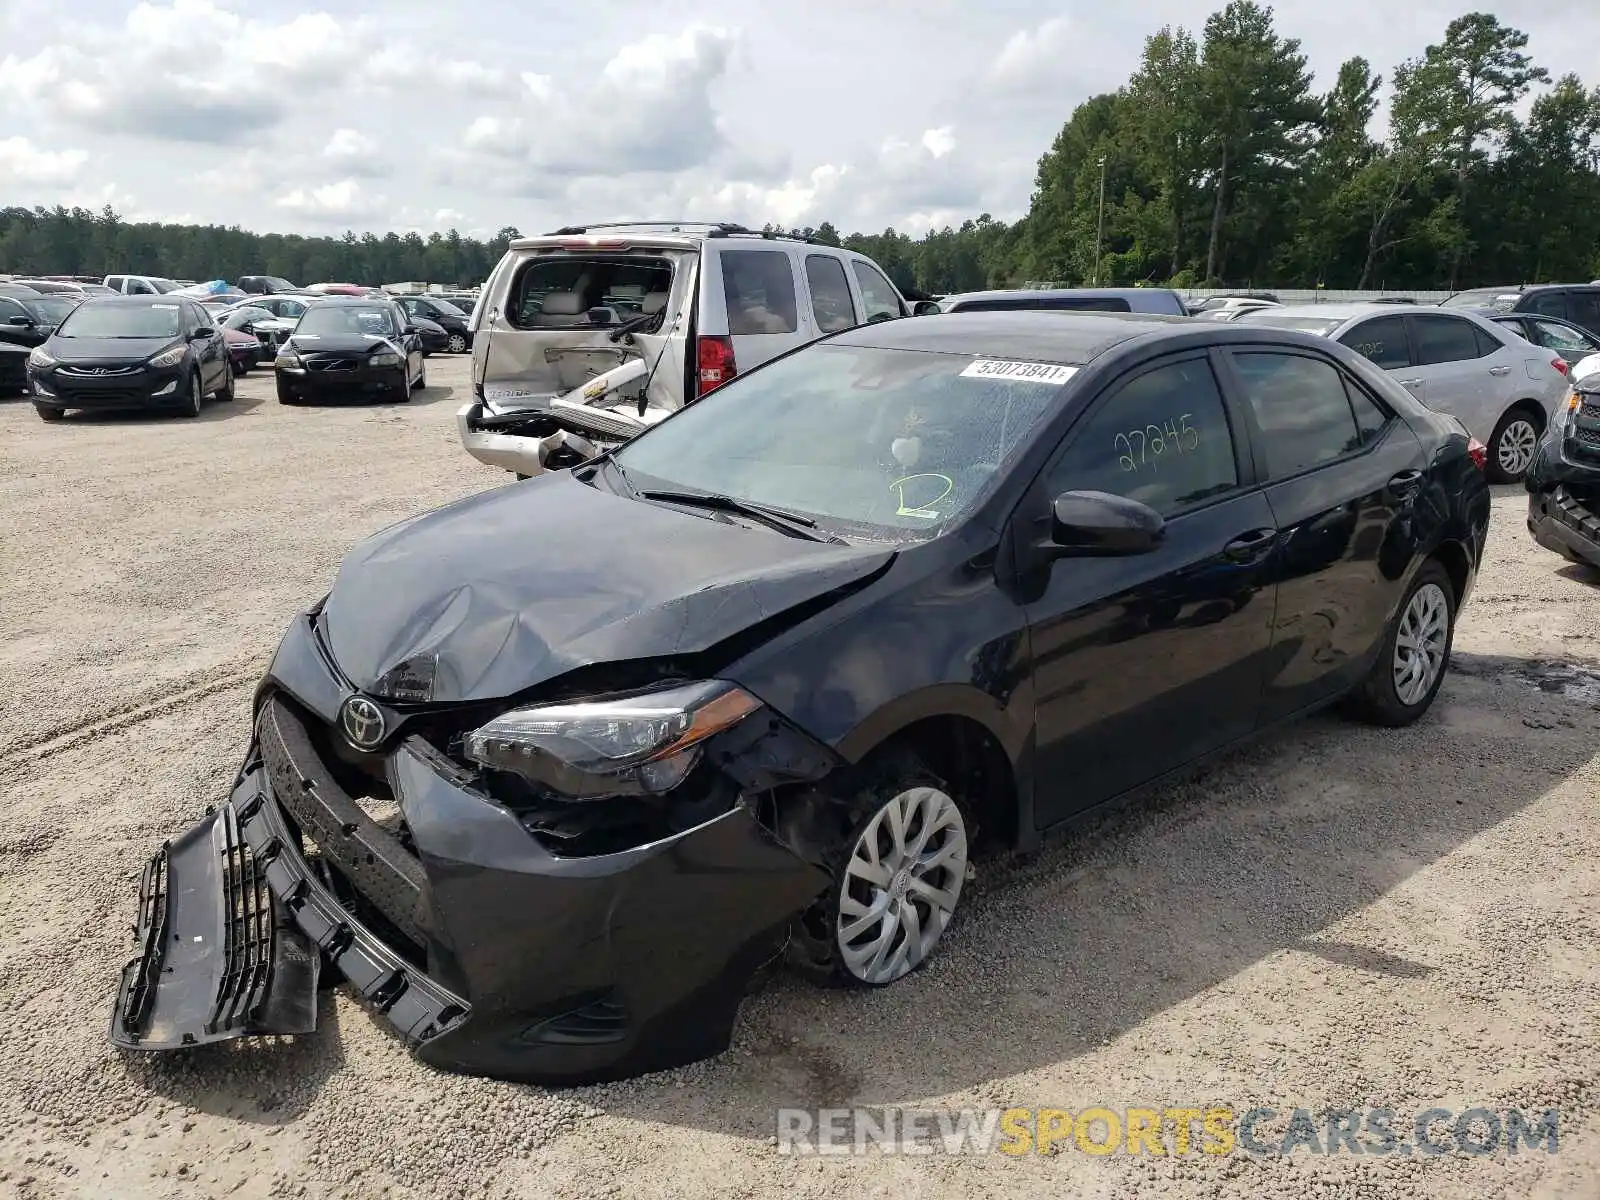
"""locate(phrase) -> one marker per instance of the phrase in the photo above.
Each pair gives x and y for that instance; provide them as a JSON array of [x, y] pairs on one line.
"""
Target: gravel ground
[[1337, 916]]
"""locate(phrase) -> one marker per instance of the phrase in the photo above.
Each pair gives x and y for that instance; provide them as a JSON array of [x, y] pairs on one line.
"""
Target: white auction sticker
[[1020, 372]]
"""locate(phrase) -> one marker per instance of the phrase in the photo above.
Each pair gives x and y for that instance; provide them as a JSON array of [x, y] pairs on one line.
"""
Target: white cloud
[[345, 200], [351, 152], [24, 164], [1031, 52]]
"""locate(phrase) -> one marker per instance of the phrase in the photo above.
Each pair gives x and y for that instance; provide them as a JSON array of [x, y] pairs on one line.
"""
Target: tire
[[457, 343], [403, 395], [855, 935], [285, 396], [225, 393], [49, 412], [422, 379], [1380, 699], [197, 398], [1512, 445]]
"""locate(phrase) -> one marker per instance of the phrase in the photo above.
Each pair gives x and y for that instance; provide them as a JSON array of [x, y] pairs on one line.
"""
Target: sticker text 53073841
[[1018, 372]]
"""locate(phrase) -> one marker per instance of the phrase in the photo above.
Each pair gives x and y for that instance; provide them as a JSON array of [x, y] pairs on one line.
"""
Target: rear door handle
[[1411, 383], [1406, 484], [1252, 545], [1499, 370]]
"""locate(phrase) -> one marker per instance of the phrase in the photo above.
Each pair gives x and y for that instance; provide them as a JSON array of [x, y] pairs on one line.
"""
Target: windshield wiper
[[783, 521]]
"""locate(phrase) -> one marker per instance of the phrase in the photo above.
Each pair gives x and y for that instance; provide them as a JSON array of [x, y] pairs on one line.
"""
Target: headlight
[[40, 359], [291, 361], [385, 359], [590, 749], [169, 358]]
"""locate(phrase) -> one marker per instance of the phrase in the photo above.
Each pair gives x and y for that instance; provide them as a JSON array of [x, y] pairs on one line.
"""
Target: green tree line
[[1219, 164]]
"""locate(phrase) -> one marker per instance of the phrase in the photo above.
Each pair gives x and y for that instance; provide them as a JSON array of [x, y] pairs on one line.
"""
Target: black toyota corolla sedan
[[131, 352], [350, 347], [553, 771], [1563, 480]]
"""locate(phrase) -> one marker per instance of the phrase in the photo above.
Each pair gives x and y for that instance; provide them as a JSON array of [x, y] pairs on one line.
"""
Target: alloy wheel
[[901, 885], [1518, 441], [457, 344], [1419, 646]]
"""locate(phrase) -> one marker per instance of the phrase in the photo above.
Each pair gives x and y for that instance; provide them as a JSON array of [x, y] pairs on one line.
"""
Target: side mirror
[[25, 322], [408, 329], [1098, 523], [926, 308], [202, 332]]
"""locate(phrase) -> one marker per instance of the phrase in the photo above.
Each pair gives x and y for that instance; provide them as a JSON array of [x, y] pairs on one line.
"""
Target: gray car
[[1501, 387], [1163, 301]]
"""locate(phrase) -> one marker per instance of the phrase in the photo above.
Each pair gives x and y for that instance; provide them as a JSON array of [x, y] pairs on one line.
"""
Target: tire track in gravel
[[189, 689]]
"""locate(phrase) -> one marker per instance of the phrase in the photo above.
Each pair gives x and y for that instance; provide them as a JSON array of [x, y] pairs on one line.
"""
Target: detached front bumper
[[1564, 487], [486, 952]]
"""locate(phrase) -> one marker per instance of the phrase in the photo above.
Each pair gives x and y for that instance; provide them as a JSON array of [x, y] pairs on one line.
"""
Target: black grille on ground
[[246, 933], [153, 921]]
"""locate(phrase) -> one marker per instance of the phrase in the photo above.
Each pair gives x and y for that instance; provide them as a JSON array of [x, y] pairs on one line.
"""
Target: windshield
[[122, 321], [1304, 322], [879, 443], [238, 318], [449, 309], [161, 285], [53, 309], [333, 320], [1497, 299]]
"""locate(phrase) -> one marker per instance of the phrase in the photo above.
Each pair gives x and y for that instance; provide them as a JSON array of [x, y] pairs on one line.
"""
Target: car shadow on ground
[[213, 410], [1138, 912], [290, 1071], [1581, 573]]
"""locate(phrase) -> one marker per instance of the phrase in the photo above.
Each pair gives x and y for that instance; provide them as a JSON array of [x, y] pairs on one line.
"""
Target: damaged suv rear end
[[1564, 479]]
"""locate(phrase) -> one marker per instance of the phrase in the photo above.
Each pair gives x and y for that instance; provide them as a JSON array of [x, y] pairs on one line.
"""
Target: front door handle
[[1499, 370], [1406, 484], [1410, 383], [1249, 546]]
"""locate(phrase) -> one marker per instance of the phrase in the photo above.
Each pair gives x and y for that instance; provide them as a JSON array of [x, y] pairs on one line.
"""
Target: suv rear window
[[758, 286], [626, 284]]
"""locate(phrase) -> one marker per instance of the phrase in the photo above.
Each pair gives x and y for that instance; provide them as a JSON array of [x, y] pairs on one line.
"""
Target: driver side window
[[877, 293], [1161, 438]]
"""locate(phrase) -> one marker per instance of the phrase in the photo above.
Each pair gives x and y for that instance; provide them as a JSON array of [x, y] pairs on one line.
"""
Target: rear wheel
[[49, 412], [1512, 445], [897, 876], [1415, 656], [457, 343]]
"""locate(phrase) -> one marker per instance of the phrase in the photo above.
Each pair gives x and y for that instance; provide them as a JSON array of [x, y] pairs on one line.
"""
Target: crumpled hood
[[518, 585]]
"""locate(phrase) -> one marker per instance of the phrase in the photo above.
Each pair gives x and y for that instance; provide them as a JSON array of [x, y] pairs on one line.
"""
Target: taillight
[[715, 361], [1559, 364], [1479, 453]]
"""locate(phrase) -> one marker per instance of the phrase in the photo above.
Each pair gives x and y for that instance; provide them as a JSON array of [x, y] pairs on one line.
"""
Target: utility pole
[[1100, 225]]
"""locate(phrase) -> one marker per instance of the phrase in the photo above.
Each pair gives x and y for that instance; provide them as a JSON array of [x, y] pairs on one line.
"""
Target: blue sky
[[405, 115]]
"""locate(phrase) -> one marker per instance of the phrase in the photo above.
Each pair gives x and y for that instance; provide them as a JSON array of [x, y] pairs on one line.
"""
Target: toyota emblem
[[362, 722]]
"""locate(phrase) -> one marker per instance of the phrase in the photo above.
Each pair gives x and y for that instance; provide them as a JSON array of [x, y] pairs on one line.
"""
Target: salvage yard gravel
[[1335, 918]]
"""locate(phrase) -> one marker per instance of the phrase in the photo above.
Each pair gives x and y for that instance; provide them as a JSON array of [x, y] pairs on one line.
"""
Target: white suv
[[139, 285], [587, 335]]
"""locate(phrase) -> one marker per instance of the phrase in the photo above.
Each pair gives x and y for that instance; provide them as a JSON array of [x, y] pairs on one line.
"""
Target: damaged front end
[[1563, 481], [513, 901]]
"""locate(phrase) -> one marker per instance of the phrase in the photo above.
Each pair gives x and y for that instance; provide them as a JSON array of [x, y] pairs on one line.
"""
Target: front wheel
[[285, 396], [49, 412], [197, 397], [897, 876], [422, 379], [457, 344], [1512, 445], [225, 393], [1412, 664]]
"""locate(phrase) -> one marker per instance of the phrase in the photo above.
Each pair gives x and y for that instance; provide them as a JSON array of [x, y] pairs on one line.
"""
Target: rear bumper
[[522, 453], [487, 953]]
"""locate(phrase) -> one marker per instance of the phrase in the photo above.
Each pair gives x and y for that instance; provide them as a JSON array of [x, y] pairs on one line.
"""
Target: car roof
[[337, 301], [140, 300], [1110, 293], [1351, 310], [1069, 338]]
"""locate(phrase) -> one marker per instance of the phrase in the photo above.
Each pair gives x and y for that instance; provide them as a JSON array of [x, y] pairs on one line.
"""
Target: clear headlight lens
[[40, 359], [287, 360], [170, 357], [590, 749], [385, 359]]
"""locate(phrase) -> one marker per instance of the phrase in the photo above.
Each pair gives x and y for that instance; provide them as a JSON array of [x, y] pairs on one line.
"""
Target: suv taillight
[[714, 359]]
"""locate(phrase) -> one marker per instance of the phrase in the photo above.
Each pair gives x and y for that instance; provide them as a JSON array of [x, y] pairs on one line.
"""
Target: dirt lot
[[1334, 918]]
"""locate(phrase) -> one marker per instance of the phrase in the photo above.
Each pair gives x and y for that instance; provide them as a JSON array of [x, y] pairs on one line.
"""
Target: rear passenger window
[[1548, 304], [1301, 408], [1444, 340], [1562, 339], [758, 286], [1583, 308], [1370, 419], [1382, 340], [877, 293], [1162, 438], [831, 303], [1487, 342]]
